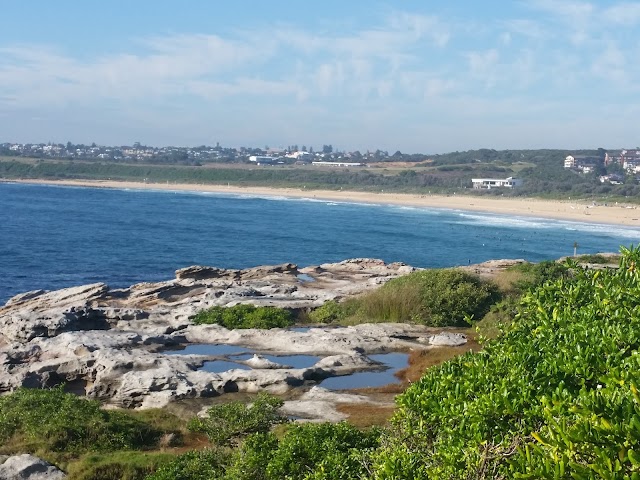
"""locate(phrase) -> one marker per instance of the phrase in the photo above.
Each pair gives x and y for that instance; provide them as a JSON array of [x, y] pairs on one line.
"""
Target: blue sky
[[425, 76]]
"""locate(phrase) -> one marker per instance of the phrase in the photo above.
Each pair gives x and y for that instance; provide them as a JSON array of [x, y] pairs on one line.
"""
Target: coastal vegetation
[[554, 395], [245, 316], [437, 297], [543, 173]]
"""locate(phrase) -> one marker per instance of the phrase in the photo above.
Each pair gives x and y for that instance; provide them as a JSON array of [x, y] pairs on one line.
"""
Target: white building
[[570, 162], [338, 164], [489, 183], [262, 159], [299, 155]]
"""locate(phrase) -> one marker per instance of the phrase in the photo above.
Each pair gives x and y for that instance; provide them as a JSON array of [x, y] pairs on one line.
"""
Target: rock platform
[[110, 344]]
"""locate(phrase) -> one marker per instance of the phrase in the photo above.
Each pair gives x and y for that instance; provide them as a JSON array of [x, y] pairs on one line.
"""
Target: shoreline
[[617, 214]]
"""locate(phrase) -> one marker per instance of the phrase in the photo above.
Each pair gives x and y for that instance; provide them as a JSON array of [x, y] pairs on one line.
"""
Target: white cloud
[[623, 14], [611, 65], [482, 65], [406, 65], [527, 28]]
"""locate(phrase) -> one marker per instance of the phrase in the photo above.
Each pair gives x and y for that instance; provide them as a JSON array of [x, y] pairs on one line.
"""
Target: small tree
[[228, 423]]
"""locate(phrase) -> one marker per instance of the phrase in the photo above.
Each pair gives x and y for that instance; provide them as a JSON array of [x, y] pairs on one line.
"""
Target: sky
[[419, 76]]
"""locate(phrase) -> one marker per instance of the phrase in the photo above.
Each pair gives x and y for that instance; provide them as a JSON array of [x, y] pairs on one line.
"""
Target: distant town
[[195, 155], [530, 171]]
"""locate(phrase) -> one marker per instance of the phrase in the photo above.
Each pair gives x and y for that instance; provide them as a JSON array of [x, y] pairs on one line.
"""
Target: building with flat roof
[[489, 183], [338, 164], [263, 159]]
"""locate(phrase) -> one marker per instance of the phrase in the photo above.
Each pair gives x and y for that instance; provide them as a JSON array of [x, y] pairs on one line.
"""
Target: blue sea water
[[54, 237]]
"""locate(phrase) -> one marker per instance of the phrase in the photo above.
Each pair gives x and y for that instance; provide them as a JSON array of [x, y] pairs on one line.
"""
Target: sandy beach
[[616, 214]]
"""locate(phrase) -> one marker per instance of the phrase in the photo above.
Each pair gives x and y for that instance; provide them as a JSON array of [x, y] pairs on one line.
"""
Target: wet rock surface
[[111, 344]]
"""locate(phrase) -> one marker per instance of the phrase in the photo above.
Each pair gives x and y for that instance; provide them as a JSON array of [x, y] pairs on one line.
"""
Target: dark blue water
[[53, 237]]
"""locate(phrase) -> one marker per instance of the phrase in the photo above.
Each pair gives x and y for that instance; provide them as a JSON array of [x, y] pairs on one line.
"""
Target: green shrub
[[438, 297], [195, 465], [250, 461], [556, 396], [597, 258], [62, 422], [332, 311], [245, 316], [226, 423], [322, 451], [537, 274]]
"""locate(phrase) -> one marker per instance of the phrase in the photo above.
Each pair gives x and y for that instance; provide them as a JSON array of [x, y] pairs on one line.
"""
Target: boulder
[[29, 467], [258, 361], [448, 339]]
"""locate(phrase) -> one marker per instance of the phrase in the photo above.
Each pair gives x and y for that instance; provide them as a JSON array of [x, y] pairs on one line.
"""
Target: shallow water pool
[[392, 361]]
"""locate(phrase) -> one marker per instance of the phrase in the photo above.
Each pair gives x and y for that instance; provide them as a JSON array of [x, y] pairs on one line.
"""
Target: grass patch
[[439, 297], [51, 420], [421, 360], [598, 258], [365, 416], [245, 316], [130, 465]]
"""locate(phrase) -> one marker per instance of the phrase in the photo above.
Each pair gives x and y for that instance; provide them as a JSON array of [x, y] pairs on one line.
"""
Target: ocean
[[54, 236]]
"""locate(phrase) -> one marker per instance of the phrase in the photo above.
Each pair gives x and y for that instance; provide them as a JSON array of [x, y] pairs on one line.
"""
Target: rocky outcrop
[[111, 344], [28, 467]]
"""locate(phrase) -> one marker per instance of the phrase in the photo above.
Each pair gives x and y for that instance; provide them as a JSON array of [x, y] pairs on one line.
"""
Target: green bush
[[245, 316], [195, 465], [322, 451], [441, 297], [62, 422], [596, 258], [537, 274], [332, 311], [250, 461], [556, 396], [226, 423]]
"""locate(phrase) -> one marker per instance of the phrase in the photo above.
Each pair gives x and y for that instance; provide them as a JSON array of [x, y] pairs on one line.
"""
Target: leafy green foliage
[[228, 422], [195, 465], [597, 258], [333, 312], [436, 297], [556, 396], [322, 451], [246, 316], [251, 459], [62, 422], [537, 274], [306, 452]]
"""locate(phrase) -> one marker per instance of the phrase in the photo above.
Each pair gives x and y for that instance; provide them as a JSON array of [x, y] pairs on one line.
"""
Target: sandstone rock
[[197, 272], [108, 343], [30, 468], [22, 297], [258, 361], [448, 339], [319, 405]]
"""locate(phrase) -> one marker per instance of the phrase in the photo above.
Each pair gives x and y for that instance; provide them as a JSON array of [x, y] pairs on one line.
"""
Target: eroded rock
[[28, 467], [109, 343]]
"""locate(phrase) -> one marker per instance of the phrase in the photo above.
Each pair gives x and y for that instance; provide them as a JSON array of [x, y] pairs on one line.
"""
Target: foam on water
[[57, 236]]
